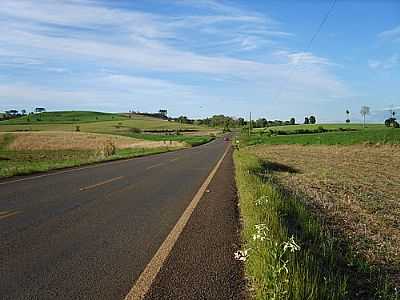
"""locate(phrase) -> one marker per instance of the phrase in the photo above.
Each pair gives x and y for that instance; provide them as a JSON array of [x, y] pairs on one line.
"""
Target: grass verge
[[288, 252], [27, 162]]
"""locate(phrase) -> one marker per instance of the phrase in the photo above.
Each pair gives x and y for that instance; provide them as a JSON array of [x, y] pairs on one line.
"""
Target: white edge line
[[146, 278]]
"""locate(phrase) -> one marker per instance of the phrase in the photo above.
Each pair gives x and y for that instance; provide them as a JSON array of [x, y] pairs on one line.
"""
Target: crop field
[[29, 152], [338, 201], [54, 140]]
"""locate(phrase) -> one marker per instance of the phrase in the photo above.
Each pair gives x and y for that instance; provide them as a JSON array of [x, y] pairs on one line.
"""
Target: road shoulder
[[201, 264]]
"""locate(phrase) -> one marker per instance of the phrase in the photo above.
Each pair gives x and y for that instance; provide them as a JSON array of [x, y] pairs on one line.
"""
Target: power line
[[314, 36]]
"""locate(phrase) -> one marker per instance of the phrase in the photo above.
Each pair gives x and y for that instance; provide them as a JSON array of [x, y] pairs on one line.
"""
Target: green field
[[373, 133], [88, 122], [95, 122], [66, 117], [25, 162]]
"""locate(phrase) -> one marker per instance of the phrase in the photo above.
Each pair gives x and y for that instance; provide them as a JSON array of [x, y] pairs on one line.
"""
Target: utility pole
[[250, 125]]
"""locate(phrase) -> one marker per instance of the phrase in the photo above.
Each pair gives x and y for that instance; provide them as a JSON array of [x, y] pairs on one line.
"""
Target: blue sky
[[201, 57]]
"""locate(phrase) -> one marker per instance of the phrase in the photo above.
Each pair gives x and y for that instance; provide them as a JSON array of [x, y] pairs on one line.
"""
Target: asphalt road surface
[[88, 233]]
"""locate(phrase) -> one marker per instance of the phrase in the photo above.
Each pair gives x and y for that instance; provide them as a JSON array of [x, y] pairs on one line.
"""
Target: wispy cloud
[[385, 64], [391, 34], [142, 48]]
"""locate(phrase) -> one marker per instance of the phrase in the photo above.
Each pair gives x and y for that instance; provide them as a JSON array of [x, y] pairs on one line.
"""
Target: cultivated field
[[29, 152], [54, 140], [338, 199], [61, 140]]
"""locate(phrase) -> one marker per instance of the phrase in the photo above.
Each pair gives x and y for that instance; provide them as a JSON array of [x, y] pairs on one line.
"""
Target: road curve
[[88, 233]]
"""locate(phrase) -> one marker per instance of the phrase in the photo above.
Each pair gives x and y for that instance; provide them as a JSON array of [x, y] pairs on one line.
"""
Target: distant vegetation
[[334, 134], [64, 117]]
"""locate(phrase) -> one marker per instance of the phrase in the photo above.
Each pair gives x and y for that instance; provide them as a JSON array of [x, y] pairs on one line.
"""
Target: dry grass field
[[355, 190], [63, 140]]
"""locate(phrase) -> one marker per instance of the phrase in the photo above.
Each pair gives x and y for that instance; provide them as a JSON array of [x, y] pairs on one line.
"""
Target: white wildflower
[[241, 255], [262, 200], [291, 245], [261, 232]]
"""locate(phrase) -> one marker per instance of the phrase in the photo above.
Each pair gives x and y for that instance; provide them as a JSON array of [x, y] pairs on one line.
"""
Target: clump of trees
[[310, 120], [13, 113], [392, 121]]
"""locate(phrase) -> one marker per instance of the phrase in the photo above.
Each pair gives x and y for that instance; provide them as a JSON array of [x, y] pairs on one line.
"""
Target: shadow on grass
[[277, 167]]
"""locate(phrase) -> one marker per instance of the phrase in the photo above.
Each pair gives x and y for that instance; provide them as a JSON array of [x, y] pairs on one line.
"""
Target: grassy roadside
[[14, 163], [290, 253]]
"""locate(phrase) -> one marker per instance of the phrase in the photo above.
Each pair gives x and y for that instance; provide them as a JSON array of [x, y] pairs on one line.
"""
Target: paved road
[[88, 233]]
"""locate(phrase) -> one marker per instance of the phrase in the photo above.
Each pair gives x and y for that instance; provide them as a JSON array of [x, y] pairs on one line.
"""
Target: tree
[[306, 120], [365, 110], [292, 121], [12, 112], [261, 123], [313, 120], [348, 116], [23, 112], [240, 121], [39, 109]]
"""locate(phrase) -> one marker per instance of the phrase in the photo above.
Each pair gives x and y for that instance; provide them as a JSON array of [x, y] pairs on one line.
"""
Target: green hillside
[[65, 117]]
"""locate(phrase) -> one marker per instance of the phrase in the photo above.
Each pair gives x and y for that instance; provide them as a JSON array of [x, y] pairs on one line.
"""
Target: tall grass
[[277, 268]]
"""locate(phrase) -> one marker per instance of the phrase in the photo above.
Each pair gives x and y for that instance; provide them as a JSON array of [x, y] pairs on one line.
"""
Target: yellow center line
[[154, 166], [100, 183], [6, 214]]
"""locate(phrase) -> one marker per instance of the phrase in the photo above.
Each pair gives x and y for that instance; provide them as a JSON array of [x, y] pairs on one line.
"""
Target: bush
[[396, 124], [78, 128], [107, 149], [135, 130]]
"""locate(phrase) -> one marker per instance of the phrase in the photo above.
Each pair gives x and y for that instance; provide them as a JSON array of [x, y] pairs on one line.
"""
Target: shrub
[[107, 149], [78, 128], [135, 130], [396, 124]]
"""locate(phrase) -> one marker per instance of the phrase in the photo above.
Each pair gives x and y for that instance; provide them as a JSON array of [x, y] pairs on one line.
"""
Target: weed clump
[[107, 149]]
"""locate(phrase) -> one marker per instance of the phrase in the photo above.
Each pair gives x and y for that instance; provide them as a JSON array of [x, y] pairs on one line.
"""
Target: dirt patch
[[61, 140], [355, 189]]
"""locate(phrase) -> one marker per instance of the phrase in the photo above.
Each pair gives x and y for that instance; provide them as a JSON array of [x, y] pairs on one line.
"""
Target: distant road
[[88, 233]]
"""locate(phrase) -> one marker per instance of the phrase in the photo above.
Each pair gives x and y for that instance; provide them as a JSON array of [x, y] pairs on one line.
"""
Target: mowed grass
[[27, 162], [371, 134]]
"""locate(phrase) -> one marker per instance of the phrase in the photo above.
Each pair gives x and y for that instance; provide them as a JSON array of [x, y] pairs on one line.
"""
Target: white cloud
[[92, 36], [391, 34], [385, 64]]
